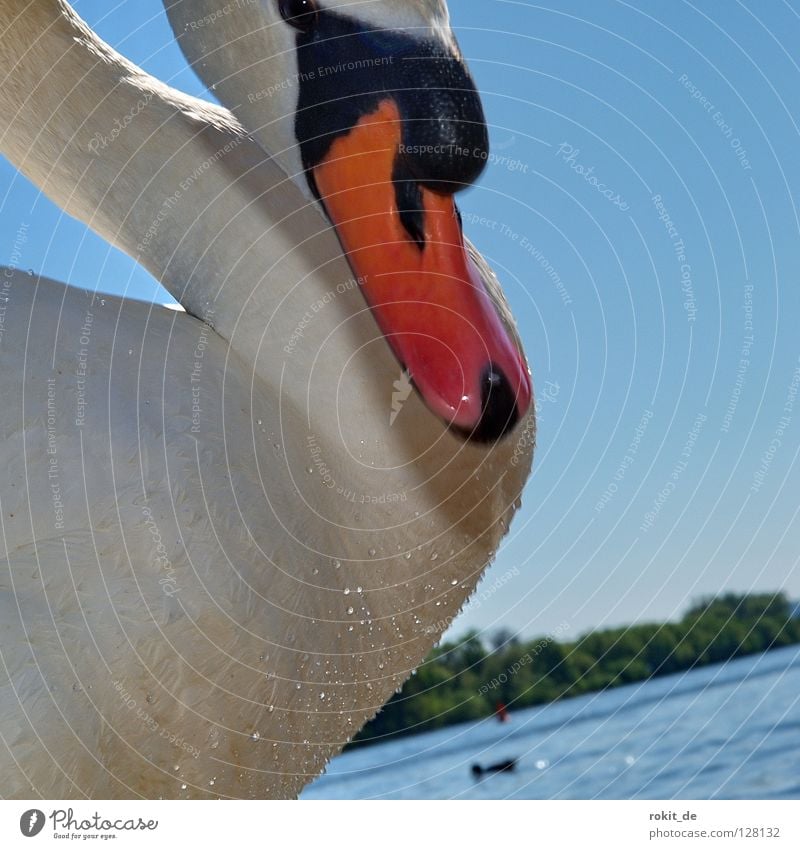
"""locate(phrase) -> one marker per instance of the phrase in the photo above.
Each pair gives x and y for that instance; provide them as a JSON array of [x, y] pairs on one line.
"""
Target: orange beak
[[423, 288]]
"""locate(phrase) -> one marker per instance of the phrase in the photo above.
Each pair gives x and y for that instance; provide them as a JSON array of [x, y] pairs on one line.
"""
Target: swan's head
[[369, 107]]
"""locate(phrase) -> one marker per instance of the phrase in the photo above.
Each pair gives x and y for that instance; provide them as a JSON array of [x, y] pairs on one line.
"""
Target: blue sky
[[641, 214]]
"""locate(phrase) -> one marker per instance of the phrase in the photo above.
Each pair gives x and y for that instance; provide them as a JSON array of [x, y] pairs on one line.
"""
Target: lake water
[[728, 731]]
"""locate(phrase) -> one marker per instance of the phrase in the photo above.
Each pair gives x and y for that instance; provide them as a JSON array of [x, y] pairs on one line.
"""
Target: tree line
[[468, 680]]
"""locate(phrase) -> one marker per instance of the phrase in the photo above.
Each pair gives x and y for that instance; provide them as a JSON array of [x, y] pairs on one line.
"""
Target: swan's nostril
[[500, 411]]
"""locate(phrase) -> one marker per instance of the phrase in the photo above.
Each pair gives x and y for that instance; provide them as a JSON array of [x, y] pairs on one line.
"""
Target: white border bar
[[399, 825]]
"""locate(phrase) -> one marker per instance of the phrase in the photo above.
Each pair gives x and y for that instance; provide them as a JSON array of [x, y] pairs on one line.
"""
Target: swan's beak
[[420, 282], [385, 162]]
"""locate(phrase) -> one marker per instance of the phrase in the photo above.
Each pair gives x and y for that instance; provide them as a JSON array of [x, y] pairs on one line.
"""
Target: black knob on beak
[[445, 138], [347, 69]]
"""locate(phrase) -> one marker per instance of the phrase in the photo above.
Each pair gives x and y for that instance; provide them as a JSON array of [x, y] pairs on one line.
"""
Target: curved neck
[[173, 181], [111, 145]]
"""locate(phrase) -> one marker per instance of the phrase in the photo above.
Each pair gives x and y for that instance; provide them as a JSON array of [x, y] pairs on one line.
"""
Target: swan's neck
[[177, 184], [349, 467], [110, 144]]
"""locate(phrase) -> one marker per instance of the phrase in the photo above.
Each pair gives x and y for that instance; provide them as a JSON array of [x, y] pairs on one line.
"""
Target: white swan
[[219, 558]]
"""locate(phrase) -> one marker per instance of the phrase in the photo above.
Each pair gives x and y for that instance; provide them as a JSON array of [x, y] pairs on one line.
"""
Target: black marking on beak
[[408, 197]]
